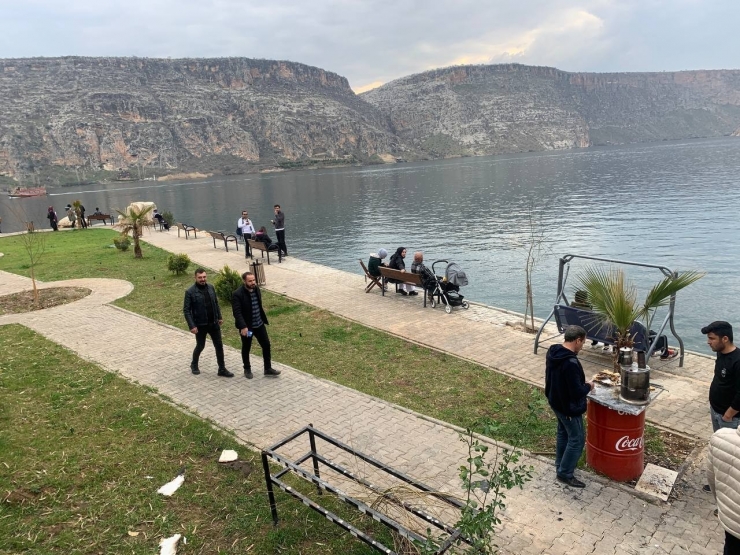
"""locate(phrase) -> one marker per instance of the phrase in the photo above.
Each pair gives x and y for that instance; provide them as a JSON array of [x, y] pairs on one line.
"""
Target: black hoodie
[[565, 382]]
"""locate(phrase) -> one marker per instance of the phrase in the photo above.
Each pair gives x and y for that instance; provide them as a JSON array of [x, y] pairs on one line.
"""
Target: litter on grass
[[168, 546], [227, 455], [171, 487]]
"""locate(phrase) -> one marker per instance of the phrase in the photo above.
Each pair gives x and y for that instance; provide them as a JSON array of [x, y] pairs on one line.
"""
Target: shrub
[[122, 242], [168, 217], [227, 281], [178, 263]]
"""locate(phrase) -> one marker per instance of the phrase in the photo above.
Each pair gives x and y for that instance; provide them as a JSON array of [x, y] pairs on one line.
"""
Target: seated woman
[[397, 263], [374, 264]]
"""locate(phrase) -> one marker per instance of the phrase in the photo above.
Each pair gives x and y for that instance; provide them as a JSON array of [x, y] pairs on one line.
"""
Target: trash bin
[[259, 272]]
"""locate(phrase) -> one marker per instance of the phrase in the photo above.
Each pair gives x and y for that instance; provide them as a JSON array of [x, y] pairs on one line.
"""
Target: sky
[[372, 42]]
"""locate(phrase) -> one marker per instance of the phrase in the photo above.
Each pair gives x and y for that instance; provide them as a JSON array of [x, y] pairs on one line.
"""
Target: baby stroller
[[445, 291]]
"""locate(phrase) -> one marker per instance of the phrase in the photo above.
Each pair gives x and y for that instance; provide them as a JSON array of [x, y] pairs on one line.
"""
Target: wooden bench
[[102, 217], [260, 246], [187, 229], [402, 277], [225, 238]]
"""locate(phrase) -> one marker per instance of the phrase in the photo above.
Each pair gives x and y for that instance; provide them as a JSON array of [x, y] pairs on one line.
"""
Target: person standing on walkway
[[251, 321], [566, 389], [279, 223], [83, 221], [203, 316], [53, 220], [723, 472], [71, 214], [245, 226], [724, 392]]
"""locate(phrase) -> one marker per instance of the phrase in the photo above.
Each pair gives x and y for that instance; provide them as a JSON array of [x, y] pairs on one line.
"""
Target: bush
[[178, 263], [122, 242], [227, 281], [168, 217]]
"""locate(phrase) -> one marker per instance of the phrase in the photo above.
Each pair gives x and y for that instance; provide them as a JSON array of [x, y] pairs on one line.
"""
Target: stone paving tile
[[543, 517]]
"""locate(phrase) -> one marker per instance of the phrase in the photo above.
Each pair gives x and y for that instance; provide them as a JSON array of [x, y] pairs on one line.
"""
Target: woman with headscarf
[[397, 263], [374, 264], [52, 218]]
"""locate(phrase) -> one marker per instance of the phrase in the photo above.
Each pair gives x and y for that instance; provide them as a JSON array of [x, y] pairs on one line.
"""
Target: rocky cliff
[[512, 108], [189, 114], [71, 119]]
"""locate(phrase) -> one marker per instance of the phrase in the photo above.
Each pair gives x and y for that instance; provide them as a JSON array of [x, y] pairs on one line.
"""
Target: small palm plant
[[614, 300], [132, 221]]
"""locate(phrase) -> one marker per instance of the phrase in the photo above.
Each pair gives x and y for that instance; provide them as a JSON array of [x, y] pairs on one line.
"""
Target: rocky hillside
[[137, 114], [513, 108], [75, 119]]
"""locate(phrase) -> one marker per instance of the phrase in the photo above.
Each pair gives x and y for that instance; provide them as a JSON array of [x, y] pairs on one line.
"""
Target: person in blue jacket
[[566, 389]]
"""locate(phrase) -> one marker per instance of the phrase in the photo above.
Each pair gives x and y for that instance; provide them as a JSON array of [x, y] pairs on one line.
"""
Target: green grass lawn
[[83, 451], [310, 339]]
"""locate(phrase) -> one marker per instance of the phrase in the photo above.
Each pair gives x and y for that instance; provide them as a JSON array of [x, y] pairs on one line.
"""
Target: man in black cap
[[724, 393]]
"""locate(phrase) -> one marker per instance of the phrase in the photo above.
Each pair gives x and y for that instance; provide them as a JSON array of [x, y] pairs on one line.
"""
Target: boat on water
[[23, 192]]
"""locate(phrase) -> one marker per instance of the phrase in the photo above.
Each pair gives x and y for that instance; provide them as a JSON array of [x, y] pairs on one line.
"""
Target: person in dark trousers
[[566, 389], [279, 223], [83, 221], [53, 219], [251, 321], [724, 392], [203, 316]]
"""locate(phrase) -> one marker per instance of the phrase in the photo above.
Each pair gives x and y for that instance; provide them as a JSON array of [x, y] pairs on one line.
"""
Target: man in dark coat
[[203, 316], [279, 223], [566, 389], [251, 321]]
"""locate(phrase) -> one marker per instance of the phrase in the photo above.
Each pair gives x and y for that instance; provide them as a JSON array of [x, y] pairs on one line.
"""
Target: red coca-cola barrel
[[614, 442]]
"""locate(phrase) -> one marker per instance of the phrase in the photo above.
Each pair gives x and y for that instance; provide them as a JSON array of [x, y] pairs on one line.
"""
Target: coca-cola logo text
[[625, 443]]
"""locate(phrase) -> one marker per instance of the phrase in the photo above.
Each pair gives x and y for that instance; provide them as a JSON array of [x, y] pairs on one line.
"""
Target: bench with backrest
[[397, 276], [260, 246], [221, 236], [596, 331], [187, 229], [99, 217]]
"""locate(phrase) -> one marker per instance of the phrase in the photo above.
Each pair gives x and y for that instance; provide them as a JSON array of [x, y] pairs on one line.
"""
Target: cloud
[[376, 41]]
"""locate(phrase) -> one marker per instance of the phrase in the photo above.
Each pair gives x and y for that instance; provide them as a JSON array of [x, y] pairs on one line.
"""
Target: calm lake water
[[674, 204]]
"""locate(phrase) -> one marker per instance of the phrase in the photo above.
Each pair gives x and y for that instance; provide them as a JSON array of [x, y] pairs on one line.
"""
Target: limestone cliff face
[[511, 108], [117, 113]]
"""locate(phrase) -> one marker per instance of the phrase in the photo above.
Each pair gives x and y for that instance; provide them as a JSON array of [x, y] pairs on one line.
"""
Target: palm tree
[[133, 221], [614, 299]]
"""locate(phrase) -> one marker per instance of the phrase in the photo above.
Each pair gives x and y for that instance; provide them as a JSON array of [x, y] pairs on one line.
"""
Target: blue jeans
[[718, 423], [570, 442]]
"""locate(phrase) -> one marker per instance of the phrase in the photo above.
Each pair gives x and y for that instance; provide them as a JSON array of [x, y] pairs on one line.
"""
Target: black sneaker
[[272, 372], [194, 368], [224, 373], [402, 292], [248, 374], [412, 293], [572, 482]]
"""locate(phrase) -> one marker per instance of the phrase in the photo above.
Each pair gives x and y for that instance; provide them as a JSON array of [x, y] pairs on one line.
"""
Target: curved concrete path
[[544, 517]]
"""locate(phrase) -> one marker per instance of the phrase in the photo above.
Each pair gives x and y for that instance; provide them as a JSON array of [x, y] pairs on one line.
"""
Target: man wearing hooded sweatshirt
[[566, 389]]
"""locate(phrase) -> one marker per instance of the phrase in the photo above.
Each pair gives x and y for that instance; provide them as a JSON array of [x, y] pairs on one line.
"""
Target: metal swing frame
[[562, 299]]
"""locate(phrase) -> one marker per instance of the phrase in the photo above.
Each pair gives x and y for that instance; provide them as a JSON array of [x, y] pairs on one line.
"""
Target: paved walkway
[[544, 517]]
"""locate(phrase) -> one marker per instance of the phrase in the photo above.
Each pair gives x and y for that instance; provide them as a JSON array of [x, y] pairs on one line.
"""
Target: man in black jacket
[[279, 223], [251, 321], [566, 389], [203, 316]]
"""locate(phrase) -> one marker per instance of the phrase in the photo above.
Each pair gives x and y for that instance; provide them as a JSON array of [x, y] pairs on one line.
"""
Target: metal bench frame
[[294, 466], [562, 300]]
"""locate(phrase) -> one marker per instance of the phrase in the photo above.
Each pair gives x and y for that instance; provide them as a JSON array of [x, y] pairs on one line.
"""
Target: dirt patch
[[18, 303], [242, 466], [676, 449]]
